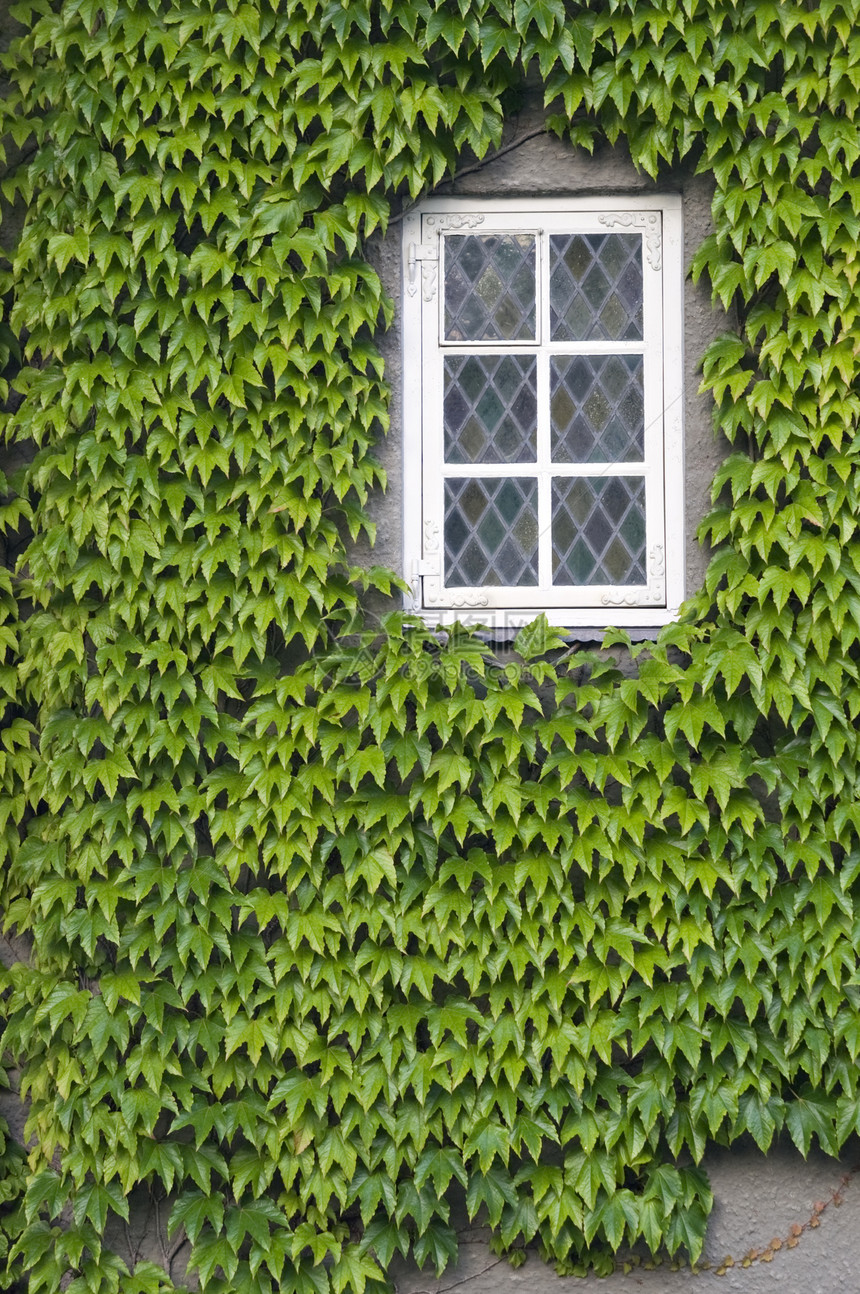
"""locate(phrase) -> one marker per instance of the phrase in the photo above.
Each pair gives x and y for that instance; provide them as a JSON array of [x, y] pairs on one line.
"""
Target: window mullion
[[543, 428]]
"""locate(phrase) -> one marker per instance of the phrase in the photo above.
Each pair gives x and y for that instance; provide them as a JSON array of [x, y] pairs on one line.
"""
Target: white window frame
[[658, 220]]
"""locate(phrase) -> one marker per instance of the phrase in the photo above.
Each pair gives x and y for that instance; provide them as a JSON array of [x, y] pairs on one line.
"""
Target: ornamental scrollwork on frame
[[649, 222], [657, 573], [433, 597], [431, 536], [429, 271], [433, 586], [430, 268], [464, 220], [621, 599], [656, 588]]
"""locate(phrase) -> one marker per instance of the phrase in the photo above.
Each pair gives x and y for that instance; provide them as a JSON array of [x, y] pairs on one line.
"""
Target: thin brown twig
[[174, 1251], [162, 1246], [133, 1249], [463, 1281]]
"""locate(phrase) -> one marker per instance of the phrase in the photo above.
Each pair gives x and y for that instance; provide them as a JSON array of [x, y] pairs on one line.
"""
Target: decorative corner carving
[[433, 584], [655, 592], [649, 222], [426, 255]]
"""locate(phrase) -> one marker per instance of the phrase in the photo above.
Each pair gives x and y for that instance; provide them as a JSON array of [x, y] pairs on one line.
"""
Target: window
[[543, 447]]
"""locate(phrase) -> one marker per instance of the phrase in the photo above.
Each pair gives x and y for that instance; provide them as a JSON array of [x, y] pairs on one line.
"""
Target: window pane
[[598, 530], [595, 287], [597, 408], [490, 408], [491, 531], [490, 287]]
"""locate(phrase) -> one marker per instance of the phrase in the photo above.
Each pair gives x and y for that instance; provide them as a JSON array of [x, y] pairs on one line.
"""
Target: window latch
[[422, 568], [419, 252]]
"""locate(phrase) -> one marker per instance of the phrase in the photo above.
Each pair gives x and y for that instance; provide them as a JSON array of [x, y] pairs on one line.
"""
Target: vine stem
[[464, 1280], [516, 142]]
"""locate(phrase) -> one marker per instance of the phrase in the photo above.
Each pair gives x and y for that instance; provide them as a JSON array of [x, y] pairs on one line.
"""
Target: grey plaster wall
[[810, 1207], [544, 166]]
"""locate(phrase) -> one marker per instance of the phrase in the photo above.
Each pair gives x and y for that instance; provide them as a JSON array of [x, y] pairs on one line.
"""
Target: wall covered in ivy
[[334, 925]]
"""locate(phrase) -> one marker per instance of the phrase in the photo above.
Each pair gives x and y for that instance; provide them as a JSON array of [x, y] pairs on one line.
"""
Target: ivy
[[337, 923], [12, 1185]]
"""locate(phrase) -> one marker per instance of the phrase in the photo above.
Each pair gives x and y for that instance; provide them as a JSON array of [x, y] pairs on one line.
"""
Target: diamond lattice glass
[[490, 408], [490, 287], [597, 408], [595, 287], [491, 531], [598, 530]]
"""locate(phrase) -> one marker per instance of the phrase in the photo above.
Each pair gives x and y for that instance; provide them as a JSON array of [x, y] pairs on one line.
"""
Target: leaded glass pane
[[598, 530], [490, 287], [595, 287], [490, 408], [597, 408], [491, 531]]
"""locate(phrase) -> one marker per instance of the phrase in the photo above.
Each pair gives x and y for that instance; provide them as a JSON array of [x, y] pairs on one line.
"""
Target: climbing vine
[[336, 924], [12, 1184]]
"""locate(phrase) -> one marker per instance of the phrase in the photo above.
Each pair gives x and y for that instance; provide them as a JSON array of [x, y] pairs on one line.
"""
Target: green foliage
[[12, 1182], [336, 926], [12, 1186]]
